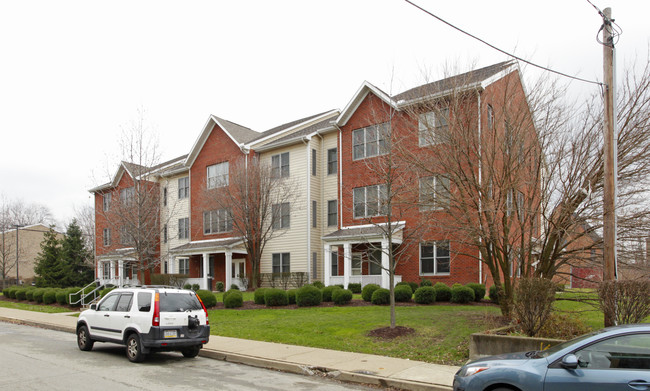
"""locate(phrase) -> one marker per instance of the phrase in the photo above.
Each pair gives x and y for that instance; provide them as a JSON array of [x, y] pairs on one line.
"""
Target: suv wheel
[[134, 348], [191, 352], [83, 339]]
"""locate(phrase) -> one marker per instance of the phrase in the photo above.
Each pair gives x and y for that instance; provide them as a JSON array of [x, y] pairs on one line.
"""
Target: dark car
[[611, 359]]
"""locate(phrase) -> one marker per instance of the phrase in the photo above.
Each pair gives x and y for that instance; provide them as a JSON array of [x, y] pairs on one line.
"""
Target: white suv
[[146, 319]]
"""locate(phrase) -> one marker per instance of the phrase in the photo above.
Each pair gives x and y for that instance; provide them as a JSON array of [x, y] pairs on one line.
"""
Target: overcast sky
[[73, 74]]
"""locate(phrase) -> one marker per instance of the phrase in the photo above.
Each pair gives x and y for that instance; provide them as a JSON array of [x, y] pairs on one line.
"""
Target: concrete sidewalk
[[343, 366]]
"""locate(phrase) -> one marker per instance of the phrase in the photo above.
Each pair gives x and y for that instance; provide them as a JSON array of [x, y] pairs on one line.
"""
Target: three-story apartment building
[[333, 228]]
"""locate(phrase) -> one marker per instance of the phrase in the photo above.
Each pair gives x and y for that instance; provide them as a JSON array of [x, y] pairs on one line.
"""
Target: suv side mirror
[[570, 361], [93, 307]]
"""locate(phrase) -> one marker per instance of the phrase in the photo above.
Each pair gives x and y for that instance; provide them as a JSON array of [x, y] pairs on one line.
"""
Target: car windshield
[[178, 302], [563, 345]]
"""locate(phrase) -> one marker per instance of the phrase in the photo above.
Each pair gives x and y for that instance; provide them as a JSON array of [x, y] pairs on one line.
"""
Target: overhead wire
[[501, 50]]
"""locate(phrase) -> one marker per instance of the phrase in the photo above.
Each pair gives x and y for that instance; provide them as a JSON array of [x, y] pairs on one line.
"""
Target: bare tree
[[250, 199], [135, 210], [85, 216]]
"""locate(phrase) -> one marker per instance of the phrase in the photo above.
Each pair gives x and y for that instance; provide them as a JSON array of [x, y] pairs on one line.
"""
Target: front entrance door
[[238, 273]]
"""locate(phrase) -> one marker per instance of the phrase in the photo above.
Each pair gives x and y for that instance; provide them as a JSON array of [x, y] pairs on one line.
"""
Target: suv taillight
[[207, 322], [156, 311]]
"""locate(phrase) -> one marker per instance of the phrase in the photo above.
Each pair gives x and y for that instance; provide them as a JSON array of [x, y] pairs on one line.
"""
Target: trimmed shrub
[[38, 295], [341, 296], [274, 297], [425, 295], [234, 286], [20, 293], [533, 304], [403, 293], [196, 287], [462, 294], [49, 296], [354, 287], [62, 296], [5, 291], [29, 295], [414, 286], [291, 294], [401, 283], [12, 292], [479, 290], [187, 286], [234, 299], [327, 292], [368, 290], [258, 296], [425, 283], [318, 284], [494, 294], [219, 286], [105, 291], [208, 298], [380, 296], [308, 296], [456, 284], [443, 292]]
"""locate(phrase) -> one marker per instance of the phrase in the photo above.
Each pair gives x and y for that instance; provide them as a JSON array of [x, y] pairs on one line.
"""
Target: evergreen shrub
[[403, 293], [308, 296], [443, 292], [479, 290], [208, 298], [234, 299], [274, 297], [425, 295], [368, 290], [341, 296], [327, 292], [258, 296], [380, 296], [354, 287], [462, 294]]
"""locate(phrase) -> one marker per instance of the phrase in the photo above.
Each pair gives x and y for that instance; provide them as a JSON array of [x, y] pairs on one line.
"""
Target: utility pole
[[610, 158]]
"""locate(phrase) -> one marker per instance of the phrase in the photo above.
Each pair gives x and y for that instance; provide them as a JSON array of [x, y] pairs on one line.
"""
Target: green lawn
[[441, 331], [576, 302], [33, 307]]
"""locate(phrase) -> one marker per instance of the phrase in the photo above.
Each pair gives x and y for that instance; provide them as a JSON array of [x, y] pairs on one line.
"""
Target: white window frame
[[184, 228], [360, 196], [435, 259], [356, 258], [184, 187], [217, 175], [334, 263], [183, 266], [106, 202], [216, 221], [434, 192], [107, 237], [127, 195], [283, 260], [332, 213], [281, 165], [430, 124], [332, 164], [281, 216], [370, 141]]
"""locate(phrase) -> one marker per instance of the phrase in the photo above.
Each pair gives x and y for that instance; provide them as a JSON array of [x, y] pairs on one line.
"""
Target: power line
[[500, 50]]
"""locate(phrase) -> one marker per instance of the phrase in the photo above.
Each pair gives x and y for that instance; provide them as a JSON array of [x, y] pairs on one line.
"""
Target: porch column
[[228, 269], [170, 266], [100, 270], [385, 264], [347, 263], [111, 274], [206, 258], [120, 272], [327, 264]]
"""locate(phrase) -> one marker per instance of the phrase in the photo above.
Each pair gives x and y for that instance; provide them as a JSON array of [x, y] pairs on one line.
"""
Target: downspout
[[340, 174], [480, 180], [307, 141], [321, 193]]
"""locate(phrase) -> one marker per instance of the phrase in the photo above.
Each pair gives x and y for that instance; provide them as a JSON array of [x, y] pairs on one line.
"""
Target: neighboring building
[[29, 246], [329, 230]]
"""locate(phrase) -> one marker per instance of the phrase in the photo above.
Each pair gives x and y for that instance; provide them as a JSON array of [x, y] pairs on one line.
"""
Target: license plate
[[170, 334]]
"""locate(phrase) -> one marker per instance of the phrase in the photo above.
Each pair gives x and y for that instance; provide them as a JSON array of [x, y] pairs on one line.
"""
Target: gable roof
[[476, 78], [295, 130], [237, 133], [135, 170], [358, 97]]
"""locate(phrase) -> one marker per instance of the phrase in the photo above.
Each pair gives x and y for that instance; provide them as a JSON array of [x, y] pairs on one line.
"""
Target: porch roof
[[210, 246], [365, 233], [120, 253]]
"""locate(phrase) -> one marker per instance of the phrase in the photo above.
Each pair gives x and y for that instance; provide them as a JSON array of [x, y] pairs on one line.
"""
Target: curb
[[283, 366]]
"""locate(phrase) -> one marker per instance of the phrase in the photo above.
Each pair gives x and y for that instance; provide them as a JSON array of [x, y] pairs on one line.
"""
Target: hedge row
[[42, 295]]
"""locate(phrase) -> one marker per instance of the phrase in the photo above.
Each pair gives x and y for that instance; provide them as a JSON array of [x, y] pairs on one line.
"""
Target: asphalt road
[[37, 359]]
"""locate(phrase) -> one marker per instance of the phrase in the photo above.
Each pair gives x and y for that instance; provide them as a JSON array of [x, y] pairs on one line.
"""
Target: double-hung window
[[434, 257], [280, 165], [165, 196], [184, 228], [370, 141], [184, 266], [106, 201], [217, 221], [369, 201], [281, 215], [107, 237], [432, 125], [217, 175], [434, 192], [334, 262], [127, 195], [332, 215], [184, 187], [281, 263], [331, 161]]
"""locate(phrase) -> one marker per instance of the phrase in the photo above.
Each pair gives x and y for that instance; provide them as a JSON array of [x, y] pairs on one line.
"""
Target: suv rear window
[[179, 302], [144, 301]]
